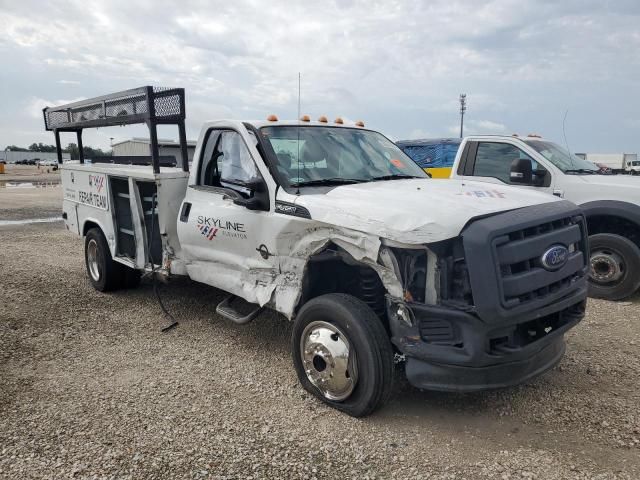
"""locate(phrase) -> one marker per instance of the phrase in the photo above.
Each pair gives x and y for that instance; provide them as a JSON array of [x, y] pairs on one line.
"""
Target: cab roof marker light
[[534, 135], [339, 121], [515, 135], [305, 118], [323, 119], [272, 118], [359, 123]]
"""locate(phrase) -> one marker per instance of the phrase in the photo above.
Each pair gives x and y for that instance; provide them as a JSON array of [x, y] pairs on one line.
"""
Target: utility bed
[[134, 205], [135, 208]]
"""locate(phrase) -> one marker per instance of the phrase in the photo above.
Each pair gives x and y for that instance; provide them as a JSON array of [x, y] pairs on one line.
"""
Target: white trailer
[[337, 229]]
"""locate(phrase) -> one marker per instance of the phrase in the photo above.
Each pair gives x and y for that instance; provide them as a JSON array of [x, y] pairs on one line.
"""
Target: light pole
[[463, 108]]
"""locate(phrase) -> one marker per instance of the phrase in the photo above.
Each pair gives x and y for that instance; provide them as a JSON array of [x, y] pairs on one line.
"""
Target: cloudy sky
[[398, 65]]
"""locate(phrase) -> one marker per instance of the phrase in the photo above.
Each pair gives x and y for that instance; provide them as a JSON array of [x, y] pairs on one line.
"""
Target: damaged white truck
[[334, 227]]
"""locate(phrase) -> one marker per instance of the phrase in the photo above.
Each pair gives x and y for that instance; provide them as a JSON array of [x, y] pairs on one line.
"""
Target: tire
[[615, 267], [105, 274], [367, 381]]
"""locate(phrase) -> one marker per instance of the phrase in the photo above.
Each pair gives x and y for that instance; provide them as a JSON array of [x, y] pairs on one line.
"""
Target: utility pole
[[463, 108]]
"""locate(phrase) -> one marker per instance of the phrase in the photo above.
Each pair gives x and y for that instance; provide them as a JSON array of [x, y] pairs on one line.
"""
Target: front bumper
[[453, 378], [452, 350]]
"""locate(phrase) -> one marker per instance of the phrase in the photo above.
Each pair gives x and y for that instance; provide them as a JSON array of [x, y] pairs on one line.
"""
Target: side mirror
[[521, 171], [259, 195]]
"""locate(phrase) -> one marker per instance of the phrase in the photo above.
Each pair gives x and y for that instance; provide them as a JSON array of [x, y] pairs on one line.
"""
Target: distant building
[[140, 147], [13, 157]]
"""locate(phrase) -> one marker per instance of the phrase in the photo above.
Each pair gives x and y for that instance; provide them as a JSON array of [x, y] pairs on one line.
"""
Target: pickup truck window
[[561, 158], [226, 160], [494, 160], [335, 154]]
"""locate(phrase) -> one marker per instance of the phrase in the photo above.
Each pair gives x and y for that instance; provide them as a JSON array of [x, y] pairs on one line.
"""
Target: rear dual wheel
[[342, 354], [104, 273]]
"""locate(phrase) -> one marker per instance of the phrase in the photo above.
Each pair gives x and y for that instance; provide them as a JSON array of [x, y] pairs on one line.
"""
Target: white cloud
[[400, 65], [479, 127]]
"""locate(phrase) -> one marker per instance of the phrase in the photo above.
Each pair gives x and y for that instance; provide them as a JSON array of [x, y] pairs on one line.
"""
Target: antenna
[[298, 129], [564, 134]]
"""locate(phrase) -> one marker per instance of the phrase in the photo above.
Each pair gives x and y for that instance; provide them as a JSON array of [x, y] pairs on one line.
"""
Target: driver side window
[[226, 161], [498, 160]]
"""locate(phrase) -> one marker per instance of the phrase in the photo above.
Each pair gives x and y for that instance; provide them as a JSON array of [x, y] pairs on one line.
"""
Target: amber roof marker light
[[339, 121], [359, 123], [272, 118], [323, 119]]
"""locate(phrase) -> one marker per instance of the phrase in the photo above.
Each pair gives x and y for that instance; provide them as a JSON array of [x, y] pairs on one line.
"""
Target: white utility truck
[[611, 203], [616, 162], [326, 224]]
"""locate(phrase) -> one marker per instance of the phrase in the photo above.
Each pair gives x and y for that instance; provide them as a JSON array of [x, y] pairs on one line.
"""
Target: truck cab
[[611, 203], [326, 224]]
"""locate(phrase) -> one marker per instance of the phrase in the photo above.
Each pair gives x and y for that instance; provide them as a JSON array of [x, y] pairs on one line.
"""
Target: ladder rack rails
[[150, 105]]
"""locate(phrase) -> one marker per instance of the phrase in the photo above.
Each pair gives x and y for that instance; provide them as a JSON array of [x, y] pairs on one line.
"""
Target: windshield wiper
[[394, 176], [586, 171], [327, 181]]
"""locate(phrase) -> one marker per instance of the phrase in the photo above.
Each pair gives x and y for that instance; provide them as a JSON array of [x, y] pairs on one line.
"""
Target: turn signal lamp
[[272, 118], [339, 121]]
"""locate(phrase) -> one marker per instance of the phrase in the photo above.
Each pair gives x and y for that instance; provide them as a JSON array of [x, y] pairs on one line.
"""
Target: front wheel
[[342, 354], [615, 267]]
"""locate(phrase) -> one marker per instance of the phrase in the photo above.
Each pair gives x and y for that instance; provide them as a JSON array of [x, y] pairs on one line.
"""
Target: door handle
[[184, 213]]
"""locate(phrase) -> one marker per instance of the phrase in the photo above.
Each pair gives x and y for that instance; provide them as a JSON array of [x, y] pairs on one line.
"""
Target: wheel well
[[88, 225], [333, 270], [616, 225]]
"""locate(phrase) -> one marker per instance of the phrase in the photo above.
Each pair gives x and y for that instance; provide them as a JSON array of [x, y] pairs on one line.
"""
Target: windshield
[[562, 159], [337, 155]]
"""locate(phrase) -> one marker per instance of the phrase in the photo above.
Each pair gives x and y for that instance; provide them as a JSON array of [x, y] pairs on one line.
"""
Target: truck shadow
[[194, 306]]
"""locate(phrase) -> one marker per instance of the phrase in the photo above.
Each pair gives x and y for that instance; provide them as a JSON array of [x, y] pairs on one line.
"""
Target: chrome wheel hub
[[92, 260], [328, 360], [606, 266]]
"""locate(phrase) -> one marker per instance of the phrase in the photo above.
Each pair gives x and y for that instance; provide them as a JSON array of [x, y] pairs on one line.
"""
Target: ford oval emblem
[[555, 257]]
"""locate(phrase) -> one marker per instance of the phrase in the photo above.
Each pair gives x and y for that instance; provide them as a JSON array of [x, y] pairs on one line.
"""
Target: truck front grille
[[504, 256], [519, 253]]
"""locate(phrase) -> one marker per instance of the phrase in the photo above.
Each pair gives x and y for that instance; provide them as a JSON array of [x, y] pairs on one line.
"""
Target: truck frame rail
[[150, 105]]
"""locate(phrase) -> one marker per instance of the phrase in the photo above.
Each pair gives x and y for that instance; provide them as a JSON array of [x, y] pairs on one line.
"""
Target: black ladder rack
[[151, 105]]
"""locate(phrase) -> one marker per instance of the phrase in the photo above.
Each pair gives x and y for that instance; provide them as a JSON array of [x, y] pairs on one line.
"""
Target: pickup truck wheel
[[342, 354], [615, 267], [104, 273]]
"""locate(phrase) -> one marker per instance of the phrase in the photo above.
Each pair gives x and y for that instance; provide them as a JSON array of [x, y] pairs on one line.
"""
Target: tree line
[[71, 148]]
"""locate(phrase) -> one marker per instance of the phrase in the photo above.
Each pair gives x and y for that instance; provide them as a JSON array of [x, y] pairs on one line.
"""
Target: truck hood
[[587, 188], [415, 211], [612, 181]]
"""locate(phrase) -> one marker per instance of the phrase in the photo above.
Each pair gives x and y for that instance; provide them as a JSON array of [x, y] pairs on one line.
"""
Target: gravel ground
[[90, 388]]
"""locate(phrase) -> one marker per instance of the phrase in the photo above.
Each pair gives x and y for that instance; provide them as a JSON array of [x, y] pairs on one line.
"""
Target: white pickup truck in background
[[611, 203], [616, 162], [335, 228]]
